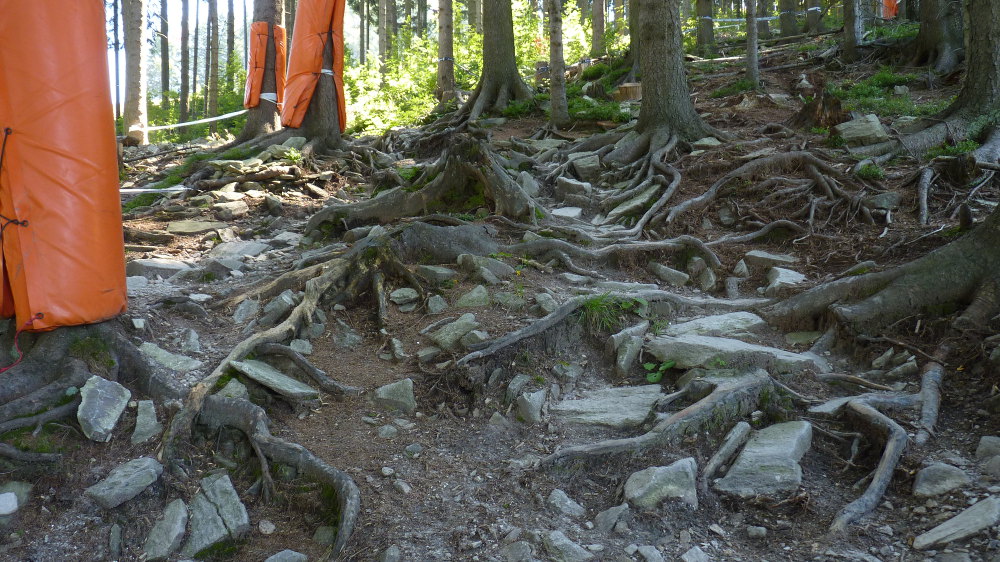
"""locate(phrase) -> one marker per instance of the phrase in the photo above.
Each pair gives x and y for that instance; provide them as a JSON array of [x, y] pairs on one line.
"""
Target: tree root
[[253, 422], [324, 382]]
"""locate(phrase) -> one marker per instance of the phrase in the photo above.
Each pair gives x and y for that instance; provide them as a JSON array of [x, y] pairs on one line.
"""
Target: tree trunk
[[185, 61], [787, 17], [685, 10], [383, 32], [194, 60], [706, 27], [265, 118], [230, 46], [763, 11], [289, 20], [500, 81], [814, 16], [912, 8], [597, 28], [852, 29], [321, 124], [559, 113], [634, 41], [164, 58], [753, 67], [422, 18], [213, 63], [980, 93], [940, 42], [136, 47], [476, 14], [619, 8], [446, 53], [118, 79]]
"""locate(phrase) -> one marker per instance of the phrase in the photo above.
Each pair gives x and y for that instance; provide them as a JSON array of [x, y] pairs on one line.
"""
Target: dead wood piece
[[264, 175], [731, 444], [322, 379]]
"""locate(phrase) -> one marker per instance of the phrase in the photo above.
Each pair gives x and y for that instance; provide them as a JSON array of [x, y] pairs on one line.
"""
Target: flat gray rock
[[219, 490], [435, 274], [277, 308], [234, 389], [404, 295], [239, 248], [979, 517], [565, 505], [668, 275], [274, 379], [167, 533], [146, 424], [125, 482], [619, 407], [287, 556], [529, 406], [718, 325], [150, 268], [171, 361], [519, 551], [692, 350], [989, 447], [561, 549], [8, 503], [863, 131], [472, 263], [939, 478], [567, 212], [398, 395], [780, 279], [101, 404], [647, 488], [448, 336], [191, 227], [207, 527], [761, 260], [768, 466], [695, 554], [478, 297], [606, 520], [436, 304], [246, 311]]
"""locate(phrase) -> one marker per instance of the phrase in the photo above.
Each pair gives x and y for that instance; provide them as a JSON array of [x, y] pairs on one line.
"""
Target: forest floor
[[450, 480]]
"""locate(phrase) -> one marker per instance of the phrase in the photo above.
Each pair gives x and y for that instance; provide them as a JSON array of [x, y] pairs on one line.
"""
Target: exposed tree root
[[325, 383]]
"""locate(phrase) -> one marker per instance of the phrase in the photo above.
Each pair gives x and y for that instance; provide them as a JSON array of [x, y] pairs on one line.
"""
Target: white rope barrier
[[206, 120]]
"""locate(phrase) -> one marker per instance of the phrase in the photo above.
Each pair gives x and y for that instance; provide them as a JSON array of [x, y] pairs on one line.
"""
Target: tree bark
[[383, 32], [619, 8], [753, 66], [787, 17], [685, 9], [136, 47], [265, 118], [940, 42], [213, 63], [446, 54], [980, 93], [763, 11], [164, 58], [597, 28], [476, 13], [853, 29], [814, 16], [500, 81], [559, 112], [185, 61], [321, 124], [289, 20], [194, 60], [230, 46], [118, 79], [706, 27], [422, 18]]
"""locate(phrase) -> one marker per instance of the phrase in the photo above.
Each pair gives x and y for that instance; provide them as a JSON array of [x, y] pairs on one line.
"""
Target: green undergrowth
[[963, 147], [875, 95], [606, 312], [871, 172], [737, 87], [896, 30]]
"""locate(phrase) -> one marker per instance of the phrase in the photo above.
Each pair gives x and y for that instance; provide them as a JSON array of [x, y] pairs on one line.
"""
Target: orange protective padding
[[890, 9], [258, 55], [64, 261], [315, 20]]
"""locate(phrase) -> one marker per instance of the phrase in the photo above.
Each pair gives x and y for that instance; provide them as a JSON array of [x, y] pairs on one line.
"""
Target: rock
[[695, 554], [567, 212], [405, 295], [345, 337], [207, 527], [134, 284], [436, 274], [391, 554], [634, 206], [768, 466], [413, 450], [741, 269], [756, 532], [427, 354], [625, 287], [718, 325], [436, 304], [476, 298], [245, 311], [473, 338], [295, 142], [979, 517], [647, 488], [587, 168], [146, 424], [907, 124], [780, 279], [565, 505], [568, 186], [388, 431], [398, 395], [886, 201], [275, 380], [706, 143], [802, 338], [759, 259], [862, 131], [509, 301], [605, 521], [171, 361], [628, 352], [989, 447], [101, 404], [707, 351], [8, 503], [167, 533], [277, 308], [620, 407], [667, 275], [22, 493], [125, 482], [301, 346], [151, 268], [519, 551], [238, 249], [546, 303], [992, 467], [266, 527], [472, 263], [285, 239], [191, 227], [939, 478], [447, 337], [287, 556], [315, 191], [650, 554], [230, 210], [219, 490], [561, 549], [273, 204], [529, 406], [234, 389], [901, 90], [325, 535], [528, 184], [514, 387]]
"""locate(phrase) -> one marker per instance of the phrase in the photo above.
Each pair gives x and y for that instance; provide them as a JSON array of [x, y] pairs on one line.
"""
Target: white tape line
[[269, 96], [326, 71], [206, 120]]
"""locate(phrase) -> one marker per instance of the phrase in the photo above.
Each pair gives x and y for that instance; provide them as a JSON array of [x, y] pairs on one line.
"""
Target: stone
[[862, 131], [268, 376], [238, 249], [391, 554], [706, 143], [190, 342], [345, 337], [667, 275], [620, 407], [448, 336], [234, 389], [587, 168], [981, 516], [476, 298], [509, 301], [171, 361], [436, 304], [741, 269], [528, 184], [634, 206], [695, 554], [756, 532], [436, 274], [606, 520], [529, 406], [650, 554], [427, 354], [546, 303], [167, 533], [218, 489], [405, 295], [192, 227], [567, 212], [565, 505], [691, 350], [230, 210], [388, 431], [647, 488], [628, 352], [301, 346], [939, 478], [398, 395], [325, 535], [413, 450], [624, 286], [285, 239], [134, 284], [989, 447], [295, 142], [901, 90], [8, 503], [21, 491], [101, 404], [245, 311], [802, 338], [768, 466], [125, 482], [907, 124], [287, 556], [207, 527], [115, 541], [562, 549], [473, 338], [885, 201], [146, 424], [568, 186], [718, 325], [315, 191], [519, 551], [471, 263], [992, 467], [515, 386], [151, 268], [759, 259], [779, 279]]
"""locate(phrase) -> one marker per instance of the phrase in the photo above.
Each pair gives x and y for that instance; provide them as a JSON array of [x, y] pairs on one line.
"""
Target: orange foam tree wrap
[[890, 9], [258, 56], [315, 21], [64, 258]]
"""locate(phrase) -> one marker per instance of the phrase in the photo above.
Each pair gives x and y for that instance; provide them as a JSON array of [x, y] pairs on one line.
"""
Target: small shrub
[[835, 141], [595, 71], [963, 147], [517, 109], [820, 131], [737, 87], [871, 172]]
